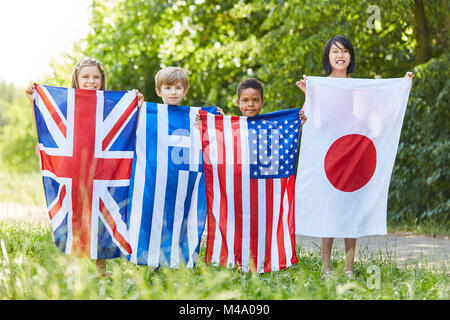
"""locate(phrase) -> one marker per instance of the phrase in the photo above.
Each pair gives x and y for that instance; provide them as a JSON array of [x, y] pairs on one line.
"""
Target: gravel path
[[405, 247]]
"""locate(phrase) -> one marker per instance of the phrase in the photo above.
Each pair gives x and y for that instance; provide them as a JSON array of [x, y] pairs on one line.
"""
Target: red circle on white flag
[[350, 162]]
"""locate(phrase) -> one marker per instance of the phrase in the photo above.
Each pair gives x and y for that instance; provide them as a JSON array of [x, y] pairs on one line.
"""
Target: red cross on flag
[[86, 142], [347, 154]]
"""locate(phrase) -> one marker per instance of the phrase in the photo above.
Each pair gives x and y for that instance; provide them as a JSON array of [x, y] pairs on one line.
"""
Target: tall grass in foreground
[[31, 267]]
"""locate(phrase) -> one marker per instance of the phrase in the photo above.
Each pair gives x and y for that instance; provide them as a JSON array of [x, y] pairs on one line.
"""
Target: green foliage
[[420, 185], [24, 189], [438, 15], [17, 133], [8, 93], [220, 43]]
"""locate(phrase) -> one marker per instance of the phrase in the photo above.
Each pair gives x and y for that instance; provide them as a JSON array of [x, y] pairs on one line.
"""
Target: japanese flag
[[347, 153]]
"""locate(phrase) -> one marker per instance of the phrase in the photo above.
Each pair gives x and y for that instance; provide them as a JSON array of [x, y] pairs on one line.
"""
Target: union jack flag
[[86, 142]]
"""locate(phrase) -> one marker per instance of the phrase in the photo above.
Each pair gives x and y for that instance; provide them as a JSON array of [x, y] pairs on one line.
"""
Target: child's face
[[172, 94], [339, 57], [89, 77], [250, 102]]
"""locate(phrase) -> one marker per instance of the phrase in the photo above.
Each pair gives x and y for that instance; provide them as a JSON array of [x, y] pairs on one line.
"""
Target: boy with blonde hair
[[171, 84], [168, 207]]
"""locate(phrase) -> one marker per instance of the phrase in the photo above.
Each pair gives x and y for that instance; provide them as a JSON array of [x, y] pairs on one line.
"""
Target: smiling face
[[339, 58], [172, 93], [250, 102], [90, 78]]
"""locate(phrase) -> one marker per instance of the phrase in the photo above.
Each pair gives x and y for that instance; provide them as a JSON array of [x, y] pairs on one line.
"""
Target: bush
[[18, 137], [420, 185]]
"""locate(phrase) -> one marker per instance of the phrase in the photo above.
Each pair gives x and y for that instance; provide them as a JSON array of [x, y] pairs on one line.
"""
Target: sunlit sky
[[32, 32]]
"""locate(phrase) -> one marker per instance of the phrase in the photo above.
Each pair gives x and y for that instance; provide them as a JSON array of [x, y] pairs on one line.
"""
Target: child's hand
[[302, 84], [302, 117], [409, 75], [140, 97], [198, 121], [29, 93]]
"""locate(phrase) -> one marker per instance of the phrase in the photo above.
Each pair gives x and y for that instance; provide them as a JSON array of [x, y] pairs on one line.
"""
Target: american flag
[[168, 207], [250, 177], [86, 141]]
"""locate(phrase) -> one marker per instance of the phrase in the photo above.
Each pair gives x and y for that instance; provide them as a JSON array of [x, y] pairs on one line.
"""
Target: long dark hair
[[326, 51]]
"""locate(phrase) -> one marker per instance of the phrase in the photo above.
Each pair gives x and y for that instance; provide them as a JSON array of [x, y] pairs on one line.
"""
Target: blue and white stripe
[[168, 209]]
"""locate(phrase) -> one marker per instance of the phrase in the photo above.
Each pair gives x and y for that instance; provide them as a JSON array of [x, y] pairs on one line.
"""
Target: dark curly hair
[[251, 83]]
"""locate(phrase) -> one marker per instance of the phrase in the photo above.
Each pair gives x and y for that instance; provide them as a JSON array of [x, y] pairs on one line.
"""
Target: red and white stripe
[[250, 222], [85, 166]]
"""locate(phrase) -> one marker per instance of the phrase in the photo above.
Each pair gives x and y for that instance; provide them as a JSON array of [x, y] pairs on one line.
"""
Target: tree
[[220, 43], [17, 135], [421, 32], [420, 185]]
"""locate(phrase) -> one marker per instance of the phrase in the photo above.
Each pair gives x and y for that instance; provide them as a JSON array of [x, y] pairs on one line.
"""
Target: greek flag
[[168, 209]]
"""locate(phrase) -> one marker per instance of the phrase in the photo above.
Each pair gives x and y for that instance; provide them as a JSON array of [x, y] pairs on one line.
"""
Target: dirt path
[[405, 247]]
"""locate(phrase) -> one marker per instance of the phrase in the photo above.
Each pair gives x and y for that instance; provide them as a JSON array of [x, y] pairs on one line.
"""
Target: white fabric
[[335, 108]]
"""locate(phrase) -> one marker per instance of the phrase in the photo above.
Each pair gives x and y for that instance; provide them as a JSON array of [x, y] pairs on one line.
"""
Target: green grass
[[26, 189], [430, 226], [31, 267]]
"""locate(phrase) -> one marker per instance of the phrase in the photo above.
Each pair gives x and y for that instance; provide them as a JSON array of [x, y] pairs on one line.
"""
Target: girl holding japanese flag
[[338, 61]]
